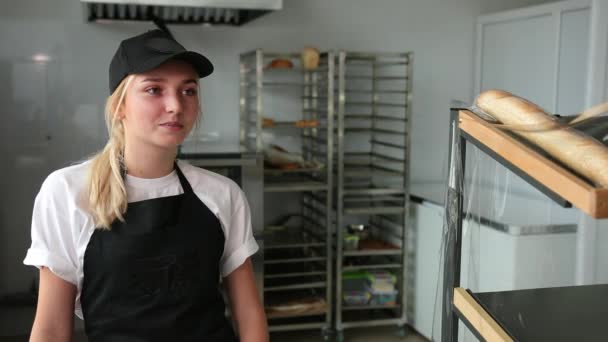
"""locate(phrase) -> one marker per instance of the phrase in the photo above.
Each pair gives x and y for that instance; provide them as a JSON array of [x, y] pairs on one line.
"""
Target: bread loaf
[[280, 63], [310, 58], [307, 123], [574, 149]]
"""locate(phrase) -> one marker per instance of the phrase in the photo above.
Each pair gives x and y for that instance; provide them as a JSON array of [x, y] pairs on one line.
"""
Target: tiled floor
[[376, 334]]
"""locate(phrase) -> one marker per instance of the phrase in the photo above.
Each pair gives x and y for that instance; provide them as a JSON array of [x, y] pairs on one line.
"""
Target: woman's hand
[[245, 304], [54, 320]]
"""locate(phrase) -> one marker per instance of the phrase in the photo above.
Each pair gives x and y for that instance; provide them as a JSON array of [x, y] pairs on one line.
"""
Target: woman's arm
[[245, 304], [54, 320]]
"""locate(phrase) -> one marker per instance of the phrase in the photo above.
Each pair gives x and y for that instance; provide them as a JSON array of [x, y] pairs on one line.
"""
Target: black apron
[[155, 277]]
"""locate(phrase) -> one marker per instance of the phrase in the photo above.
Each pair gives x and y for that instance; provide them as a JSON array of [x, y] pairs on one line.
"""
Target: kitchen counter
[[210, 154]]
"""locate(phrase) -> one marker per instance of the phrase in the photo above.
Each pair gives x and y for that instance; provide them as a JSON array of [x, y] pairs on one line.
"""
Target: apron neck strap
[[182, 179]]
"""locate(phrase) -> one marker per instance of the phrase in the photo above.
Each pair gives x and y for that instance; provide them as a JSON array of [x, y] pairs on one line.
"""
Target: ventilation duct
[[215, 12]]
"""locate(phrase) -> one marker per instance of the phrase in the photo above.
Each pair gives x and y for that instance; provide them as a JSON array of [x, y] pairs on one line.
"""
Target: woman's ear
[[118, 117], [120, 113]]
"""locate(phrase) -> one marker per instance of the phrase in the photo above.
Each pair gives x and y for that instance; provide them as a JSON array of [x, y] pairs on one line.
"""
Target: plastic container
[[353, 298], [355, 289], [351, 242], [377, 276], [383, 298]]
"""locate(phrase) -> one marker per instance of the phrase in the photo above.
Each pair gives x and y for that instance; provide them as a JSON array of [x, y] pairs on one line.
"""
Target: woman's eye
[[153, 90], [190, 91]]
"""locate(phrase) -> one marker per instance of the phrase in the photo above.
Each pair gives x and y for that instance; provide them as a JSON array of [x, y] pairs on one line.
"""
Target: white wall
[[63, 98]]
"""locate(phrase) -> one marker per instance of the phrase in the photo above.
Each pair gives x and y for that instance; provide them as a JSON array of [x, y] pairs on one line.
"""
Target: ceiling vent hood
[[214, 12]]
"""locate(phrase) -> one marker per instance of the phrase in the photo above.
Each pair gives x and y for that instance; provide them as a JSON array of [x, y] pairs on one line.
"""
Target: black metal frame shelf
[[497, 315]]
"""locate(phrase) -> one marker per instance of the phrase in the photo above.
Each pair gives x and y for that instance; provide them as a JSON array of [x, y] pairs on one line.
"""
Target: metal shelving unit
[[298, 250], [372, 170]]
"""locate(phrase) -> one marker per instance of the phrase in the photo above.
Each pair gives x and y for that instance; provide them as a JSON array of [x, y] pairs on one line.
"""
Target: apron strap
[[182, 180]]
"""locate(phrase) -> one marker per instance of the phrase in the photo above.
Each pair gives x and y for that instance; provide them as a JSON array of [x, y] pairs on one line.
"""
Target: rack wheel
[[326, 334], [339, 336], [401, 331]]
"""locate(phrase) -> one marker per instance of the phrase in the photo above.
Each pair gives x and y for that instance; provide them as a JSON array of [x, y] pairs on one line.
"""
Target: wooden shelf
[[479, 320], [570, 313], [542, 170]]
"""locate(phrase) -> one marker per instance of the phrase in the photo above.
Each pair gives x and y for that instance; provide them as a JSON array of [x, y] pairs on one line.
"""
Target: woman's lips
[[174, 126]]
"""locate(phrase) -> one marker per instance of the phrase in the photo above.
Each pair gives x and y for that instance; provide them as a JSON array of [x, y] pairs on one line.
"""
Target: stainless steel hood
[[215, 12]]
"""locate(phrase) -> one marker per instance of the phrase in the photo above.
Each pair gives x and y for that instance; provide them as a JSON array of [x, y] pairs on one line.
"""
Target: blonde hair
[[107, 195]]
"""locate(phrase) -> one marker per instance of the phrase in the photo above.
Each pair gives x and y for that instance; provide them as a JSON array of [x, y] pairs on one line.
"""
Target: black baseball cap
[[147, 51]]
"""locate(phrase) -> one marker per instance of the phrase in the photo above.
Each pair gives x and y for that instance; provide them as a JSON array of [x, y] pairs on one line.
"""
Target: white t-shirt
[[62, 228]]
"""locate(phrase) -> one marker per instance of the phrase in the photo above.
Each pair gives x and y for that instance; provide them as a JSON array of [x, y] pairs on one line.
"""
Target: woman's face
[[161, 106]]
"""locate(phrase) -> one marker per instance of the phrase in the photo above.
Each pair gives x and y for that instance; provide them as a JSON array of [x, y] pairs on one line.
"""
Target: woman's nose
[[173, 103]]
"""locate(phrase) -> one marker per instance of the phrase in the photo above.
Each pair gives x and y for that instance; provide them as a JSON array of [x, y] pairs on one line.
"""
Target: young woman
[[135, 242]]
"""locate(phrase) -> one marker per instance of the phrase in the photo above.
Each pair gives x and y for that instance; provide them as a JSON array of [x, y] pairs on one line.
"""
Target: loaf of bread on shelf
[[574, 149], [278, 157], [280, 63], [307, 123], [268, 122], [310, 58]]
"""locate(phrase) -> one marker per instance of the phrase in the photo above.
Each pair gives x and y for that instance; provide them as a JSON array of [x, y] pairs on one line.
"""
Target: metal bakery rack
[[283, 104], [373, 101]]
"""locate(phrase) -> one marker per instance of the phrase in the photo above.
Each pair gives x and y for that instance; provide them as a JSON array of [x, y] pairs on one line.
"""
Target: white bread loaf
[[310, 58], [576, 150]]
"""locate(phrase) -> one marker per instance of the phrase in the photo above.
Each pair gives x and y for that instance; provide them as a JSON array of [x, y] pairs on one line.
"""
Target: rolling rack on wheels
[[568, 313], [286, 112], [374, 240]]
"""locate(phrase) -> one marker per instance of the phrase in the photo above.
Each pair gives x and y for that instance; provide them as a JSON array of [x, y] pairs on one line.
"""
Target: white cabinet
[[427, 219], [495, 256], [540, 53]]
